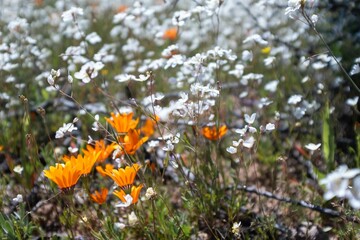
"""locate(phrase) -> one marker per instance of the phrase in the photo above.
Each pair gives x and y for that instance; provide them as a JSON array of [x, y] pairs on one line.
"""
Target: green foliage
[[328, 138]]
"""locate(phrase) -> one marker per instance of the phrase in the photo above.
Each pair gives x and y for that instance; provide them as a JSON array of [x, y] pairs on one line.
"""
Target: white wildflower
[[133, 219], [352, 101], [128, 202], [231, 150], [294, 99], [250, 119], [71, 14], [18, 169], [312, 146]]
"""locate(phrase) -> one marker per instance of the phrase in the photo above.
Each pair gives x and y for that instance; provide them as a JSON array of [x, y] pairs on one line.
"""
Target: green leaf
[[328, 138]]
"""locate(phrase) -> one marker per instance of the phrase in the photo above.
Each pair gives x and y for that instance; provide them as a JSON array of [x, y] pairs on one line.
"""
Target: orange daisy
[[170, 34], [131, 141], [135, 193], [122, 123], [100, 197], [124, 178], [108, 168], [100, 147], [148, 128], [212, 133], [83, 163], [64, 175]]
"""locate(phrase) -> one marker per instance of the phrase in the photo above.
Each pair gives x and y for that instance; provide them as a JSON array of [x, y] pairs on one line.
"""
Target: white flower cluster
[[343, 183]]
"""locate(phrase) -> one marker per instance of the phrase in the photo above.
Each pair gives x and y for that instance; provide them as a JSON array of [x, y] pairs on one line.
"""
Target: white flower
[[312, 146], [353, 193], [355, 69], [231, 150], [70, 78], [150, 193], [119, 226], [314, 19], [270, 127], [235, 229], [132, 219], [250, 119], [293, 5], [93, 38], [249, 143], [269, 60], [256, 38], [294, 99], [51, 80], [352, 101], [67, 127], [128, 202], [180, 17], [71, 14], [337, 182], [18, 169], [18, 199], [271, 86], [89, 71]]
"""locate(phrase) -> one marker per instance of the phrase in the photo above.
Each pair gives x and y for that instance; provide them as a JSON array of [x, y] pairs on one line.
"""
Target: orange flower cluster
[[100, 197], [104, 151], [124, 178], [214, 133], [129, 137]]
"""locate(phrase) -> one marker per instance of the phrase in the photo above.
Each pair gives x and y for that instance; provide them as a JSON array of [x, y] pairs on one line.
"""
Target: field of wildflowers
[[179, 119]]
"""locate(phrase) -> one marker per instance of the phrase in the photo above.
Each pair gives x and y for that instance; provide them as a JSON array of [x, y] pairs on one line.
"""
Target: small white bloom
[[70, 78], [235, 229], [293, 5], [249, 143], [231, 150], [353, 194], [250, 119], [355, 69], [18, 199], [337, 182], [18, 169], [312, 146], [352, 101], [73, 149], [256, 38], [271, 86], [119, 226], [133, 220], [93, 38], [150, 193], [294, 99], [128, 202], [71, 14], [314, 19], [51, 80], [270, 127], [67, 127]]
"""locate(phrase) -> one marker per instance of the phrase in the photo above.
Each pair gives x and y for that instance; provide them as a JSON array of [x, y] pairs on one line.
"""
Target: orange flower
[[100, 147], [124, 178], [122, 123], [170, 34], [122, 8], [100, 198], [83, 163], [64, 175], [148, 128], [212, 133], [135, 192], [131, 141], [108, 168]]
